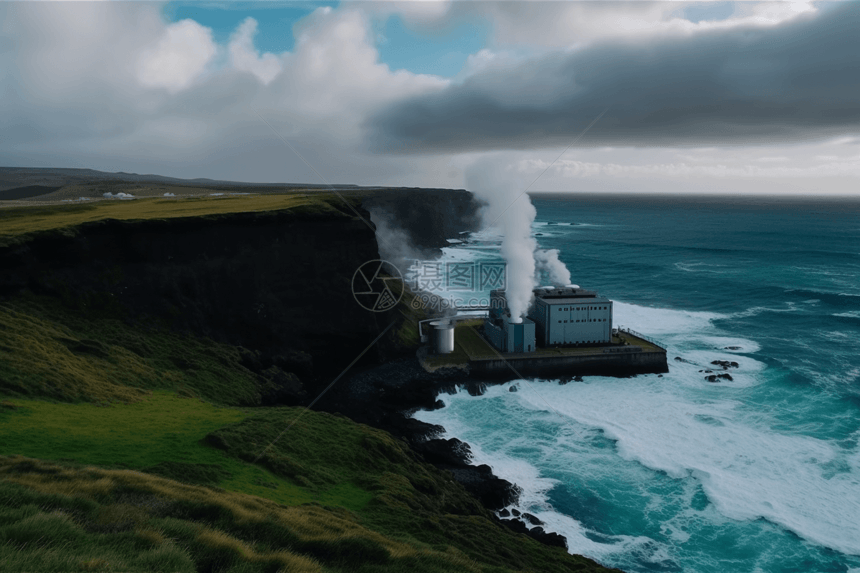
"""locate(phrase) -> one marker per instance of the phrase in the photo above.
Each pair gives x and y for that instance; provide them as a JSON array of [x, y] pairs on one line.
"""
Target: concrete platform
[[629, 354]]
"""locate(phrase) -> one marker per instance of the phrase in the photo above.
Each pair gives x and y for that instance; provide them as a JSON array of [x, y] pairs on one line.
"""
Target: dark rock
[[725, 376], [421, 431], [726, 364], [504, 513], [659, 375], [731, 348], [517, 526], [494, 493], [476, 388], [532, 519], [711, 378], [547, 538], [512, 389], [279, 387], [577, 378], [678, 359], [515, 512], [451, 452], [449, 213]]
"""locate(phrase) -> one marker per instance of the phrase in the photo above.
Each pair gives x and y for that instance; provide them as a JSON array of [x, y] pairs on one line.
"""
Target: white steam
[[511, 210], [548, 263], [395, 244]]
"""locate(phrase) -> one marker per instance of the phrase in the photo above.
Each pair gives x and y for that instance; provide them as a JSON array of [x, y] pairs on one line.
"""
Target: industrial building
[[509, 336], [571, 315], [559, 316]]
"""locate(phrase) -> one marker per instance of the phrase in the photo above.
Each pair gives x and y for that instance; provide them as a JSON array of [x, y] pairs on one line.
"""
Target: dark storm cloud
[[796, 81]]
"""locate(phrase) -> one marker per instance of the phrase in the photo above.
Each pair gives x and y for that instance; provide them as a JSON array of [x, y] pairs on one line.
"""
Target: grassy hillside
[[50, 351], [140, 453], [130, 445]]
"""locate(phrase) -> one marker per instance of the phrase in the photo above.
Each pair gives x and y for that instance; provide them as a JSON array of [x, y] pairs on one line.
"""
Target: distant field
[[28, 219], [25, 192]]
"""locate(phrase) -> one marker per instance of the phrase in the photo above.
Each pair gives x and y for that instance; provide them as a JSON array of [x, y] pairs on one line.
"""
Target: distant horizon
[[531, 193]]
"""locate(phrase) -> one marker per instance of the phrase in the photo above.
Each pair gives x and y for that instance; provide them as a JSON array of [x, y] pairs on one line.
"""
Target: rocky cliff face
[[428, 217], [276, 283]]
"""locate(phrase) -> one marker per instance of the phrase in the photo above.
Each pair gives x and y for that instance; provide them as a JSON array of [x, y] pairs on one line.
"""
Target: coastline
[[387, 395]]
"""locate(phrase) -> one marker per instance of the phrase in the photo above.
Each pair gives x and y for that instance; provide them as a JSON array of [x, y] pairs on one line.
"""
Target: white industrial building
[[559, 316], [571, 315]]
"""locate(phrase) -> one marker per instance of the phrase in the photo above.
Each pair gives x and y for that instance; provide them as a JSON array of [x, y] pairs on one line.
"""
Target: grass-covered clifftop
[[152, 372]]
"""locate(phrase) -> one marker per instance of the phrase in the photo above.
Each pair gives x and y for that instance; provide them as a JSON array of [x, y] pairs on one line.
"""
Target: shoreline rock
[[385, 396]]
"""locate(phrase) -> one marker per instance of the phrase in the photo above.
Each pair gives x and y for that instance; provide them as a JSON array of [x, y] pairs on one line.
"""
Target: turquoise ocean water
[[758, 474]]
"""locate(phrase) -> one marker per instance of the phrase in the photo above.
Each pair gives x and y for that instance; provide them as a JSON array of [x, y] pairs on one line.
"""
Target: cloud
[[243, 55], [742, 85], [565, 24], [112, 86], [178, 58]]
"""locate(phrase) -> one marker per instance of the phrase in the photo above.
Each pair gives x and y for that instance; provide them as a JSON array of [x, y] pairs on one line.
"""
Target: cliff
[[239, 306]]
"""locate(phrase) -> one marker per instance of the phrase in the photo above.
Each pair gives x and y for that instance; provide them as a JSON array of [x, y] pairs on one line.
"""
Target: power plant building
[[510, 336], [559, 316], [571, 315]]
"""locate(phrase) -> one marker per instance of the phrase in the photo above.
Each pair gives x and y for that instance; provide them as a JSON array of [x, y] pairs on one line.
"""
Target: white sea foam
[[661, 321], [533, 497], [691, 430], [699, 267], [747, 470], [849, 314]]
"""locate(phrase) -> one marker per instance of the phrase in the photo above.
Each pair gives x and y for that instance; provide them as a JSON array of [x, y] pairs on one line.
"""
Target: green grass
[[47, 350], [162, 434], [24, 220], [412, 502], [152, 448], [61, 518]]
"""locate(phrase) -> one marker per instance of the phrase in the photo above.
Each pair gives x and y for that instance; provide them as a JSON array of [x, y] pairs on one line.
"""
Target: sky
[[636, 96]]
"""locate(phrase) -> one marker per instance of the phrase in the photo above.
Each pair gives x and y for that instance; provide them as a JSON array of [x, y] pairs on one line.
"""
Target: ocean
[[675, 473]]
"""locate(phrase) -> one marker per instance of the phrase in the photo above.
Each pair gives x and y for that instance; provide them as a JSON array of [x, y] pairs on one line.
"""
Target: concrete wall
[[520, 337], [513, 337], [604, 364], [589, 321], [495, 335]]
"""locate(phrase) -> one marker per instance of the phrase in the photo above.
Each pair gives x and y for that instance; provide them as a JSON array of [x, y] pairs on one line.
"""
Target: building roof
[[563, 292], [562, 295], [574, 300]]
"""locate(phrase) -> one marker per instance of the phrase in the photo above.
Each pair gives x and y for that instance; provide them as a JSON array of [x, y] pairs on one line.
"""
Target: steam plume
[[548, 263], [513, 213]]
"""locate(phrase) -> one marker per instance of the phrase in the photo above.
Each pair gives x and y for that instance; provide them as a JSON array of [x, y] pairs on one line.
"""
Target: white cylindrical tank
[[443, 336]]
